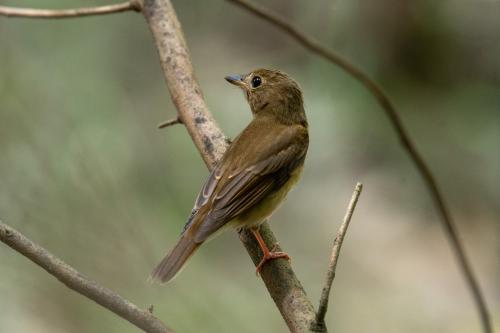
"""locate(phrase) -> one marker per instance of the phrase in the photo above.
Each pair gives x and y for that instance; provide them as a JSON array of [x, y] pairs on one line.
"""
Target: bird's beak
[[237, 80]]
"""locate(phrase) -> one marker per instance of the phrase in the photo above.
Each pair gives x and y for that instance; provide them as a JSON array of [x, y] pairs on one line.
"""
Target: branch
[[429, 179], [76, 281], [69, 13], [319, 322], [170, 122], [278, 276]]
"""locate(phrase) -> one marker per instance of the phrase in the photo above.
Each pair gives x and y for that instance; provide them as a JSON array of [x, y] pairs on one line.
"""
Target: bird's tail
[[173, 262]]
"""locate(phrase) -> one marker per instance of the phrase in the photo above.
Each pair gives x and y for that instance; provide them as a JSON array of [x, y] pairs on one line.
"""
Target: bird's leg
[[266, 254]]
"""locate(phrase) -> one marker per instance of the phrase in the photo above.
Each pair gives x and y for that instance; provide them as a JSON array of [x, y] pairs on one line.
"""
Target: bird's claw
[[270, 256]]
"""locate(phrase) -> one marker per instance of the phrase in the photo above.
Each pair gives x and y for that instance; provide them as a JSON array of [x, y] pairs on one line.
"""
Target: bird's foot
[[266, 254], [270, 256]]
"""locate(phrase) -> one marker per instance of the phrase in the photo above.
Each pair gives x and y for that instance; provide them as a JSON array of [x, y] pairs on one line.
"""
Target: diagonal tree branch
[[429, 179], [278, 276], [79, 283], [133, 5], [181, 82], [319, 322]]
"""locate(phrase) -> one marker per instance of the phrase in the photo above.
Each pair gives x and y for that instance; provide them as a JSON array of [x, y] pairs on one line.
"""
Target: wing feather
[[235, 186]]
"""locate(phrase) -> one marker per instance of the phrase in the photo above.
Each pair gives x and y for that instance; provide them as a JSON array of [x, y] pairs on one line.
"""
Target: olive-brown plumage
[[256, 172]]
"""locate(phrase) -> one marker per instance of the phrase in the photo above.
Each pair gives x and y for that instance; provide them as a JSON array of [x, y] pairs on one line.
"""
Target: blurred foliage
[[85, 173]]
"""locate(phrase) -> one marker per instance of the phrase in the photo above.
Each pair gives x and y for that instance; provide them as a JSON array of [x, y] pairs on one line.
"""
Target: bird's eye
[[256, 81]]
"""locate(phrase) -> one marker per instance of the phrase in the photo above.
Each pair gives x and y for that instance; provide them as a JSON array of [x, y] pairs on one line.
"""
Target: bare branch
[[319, 322], [170, 122], [76, 281], [280, 280], [429, 179], [179, 75], [133, 5]]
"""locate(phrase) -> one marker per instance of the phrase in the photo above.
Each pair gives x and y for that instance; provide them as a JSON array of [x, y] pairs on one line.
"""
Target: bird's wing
[[237, 184]]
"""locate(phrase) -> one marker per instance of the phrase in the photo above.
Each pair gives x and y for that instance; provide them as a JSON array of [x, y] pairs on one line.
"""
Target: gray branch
[[319, 322], [79, 283], [69, 13]]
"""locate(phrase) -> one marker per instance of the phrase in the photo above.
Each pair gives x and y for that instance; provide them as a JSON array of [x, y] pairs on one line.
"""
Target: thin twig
[[170, 122], [133, 5], [76, 281], [429, 179], [319, 322], [278, 275]]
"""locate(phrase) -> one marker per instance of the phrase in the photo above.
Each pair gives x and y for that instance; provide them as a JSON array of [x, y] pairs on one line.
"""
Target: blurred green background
[[86, 174]]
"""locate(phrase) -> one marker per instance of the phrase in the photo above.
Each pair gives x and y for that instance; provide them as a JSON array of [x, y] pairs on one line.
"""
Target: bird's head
[[271, 92]]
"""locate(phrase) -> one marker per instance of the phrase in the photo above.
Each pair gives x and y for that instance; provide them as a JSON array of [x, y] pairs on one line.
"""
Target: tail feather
[[173, 262]]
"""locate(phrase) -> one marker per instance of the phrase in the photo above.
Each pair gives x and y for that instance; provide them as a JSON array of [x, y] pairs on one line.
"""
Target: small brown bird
[[256, 172]]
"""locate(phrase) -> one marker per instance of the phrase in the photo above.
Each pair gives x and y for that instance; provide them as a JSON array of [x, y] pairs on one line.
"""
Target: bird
[[255, 173]]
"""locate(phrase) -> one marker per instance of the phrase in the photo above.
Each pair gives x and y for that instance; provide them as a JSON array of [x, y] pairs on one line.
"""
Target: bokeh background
[[85, 173]]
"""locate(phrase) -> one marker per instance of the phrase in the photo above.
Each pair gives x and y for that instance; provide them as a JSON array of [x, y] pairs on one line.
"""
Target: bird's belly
[[264, 209]]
